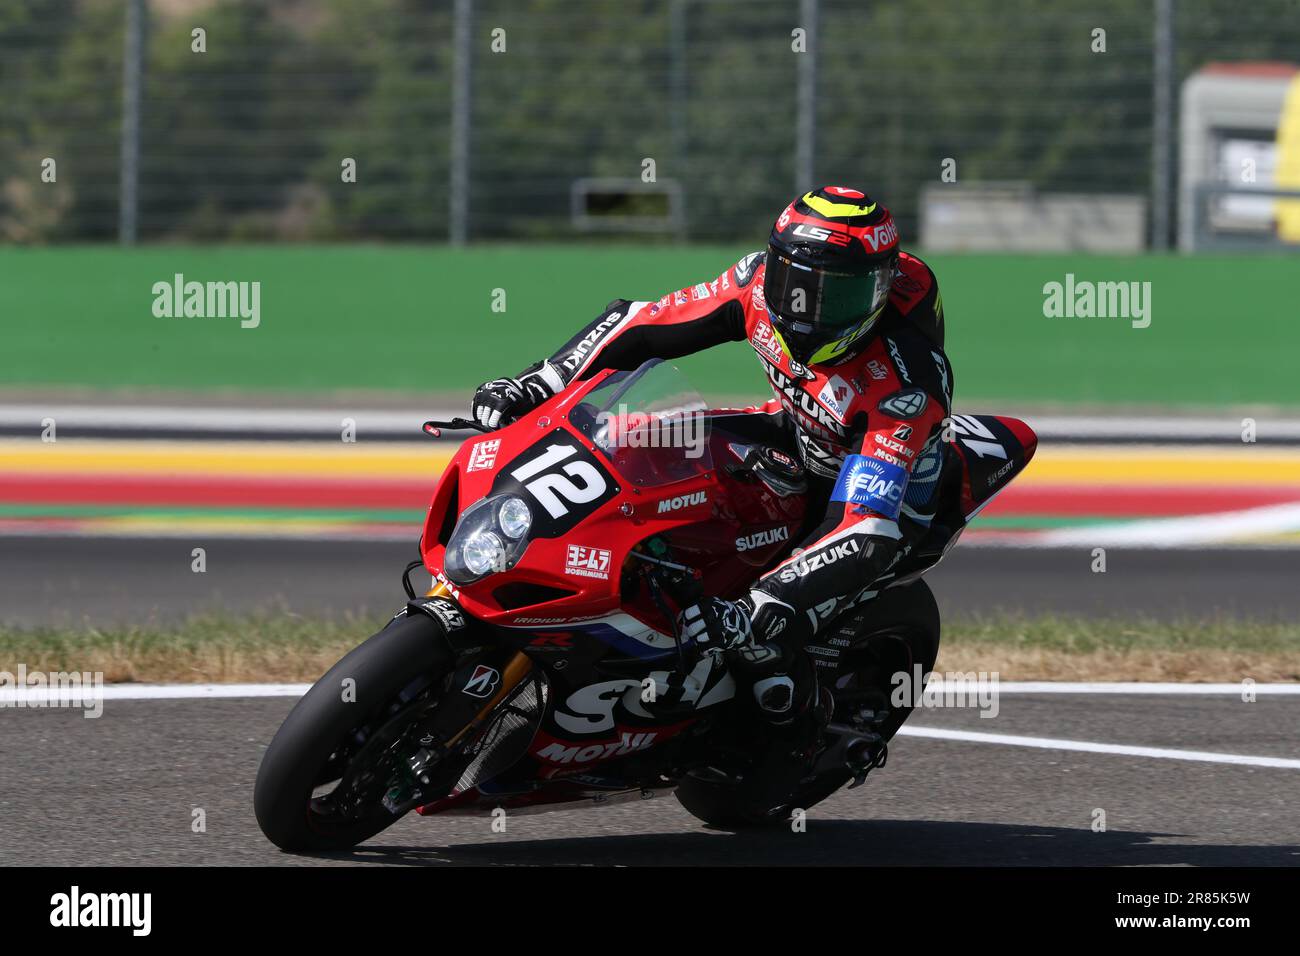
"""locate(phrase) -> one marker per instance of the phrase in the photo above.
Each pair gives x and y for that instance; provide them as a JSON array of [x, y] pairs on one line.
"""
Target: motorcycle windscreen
[[652, 425]]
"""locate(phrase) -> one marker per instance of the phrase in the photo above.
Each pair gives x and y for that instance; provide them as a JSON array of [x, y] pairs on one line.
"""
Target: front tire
[[411, 650]]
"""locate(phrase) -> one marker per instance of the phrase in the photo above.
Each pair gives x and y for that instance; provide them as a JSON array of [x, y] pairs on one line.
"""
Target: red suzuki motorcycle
[[561, 548]]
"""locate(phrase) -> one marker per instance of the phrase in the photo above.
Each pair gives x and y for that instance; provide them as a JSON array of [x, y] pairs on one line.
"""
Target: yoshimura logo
[[483, 455], [587, 562], [765, 338]]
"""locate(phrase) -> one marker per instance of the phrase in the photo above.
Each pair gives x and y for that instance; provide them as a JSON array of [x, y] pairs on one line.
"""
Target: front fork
[[473, 681], [480, 682]]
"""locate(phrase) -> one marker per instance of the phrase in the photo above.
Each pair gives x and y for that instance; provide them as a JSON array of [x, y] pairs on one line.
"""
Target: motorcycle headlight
[[489, 537], [483, 552], [514, 517]]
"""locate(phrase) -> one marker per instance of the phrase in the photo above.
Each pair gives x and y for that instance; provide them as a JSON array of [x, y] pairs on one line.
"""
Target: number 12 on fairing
[[550, 486]]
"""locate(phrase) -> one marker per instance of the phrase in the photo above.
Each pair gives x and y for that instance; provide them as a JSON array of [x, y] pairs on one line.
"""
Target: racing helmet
[[831, 260]]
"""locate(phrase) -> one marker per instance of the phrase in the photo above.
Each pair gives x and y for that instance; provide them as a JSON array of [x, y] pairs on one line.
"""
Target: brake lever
[[656, 595], [434, 429]]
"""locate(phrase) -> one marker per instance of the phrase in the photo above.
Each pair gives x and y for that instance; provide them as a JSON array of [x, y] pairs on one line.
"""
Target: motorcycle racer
[[849, 331]]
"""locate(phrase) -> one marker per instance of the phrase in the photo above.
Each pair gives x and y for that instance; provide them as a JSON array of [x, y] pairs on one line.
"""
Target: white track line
[[409, 532], [1118, 687], [1156, 428], [1226, 428], [1088, 746], [200, 419], [11, 695], [1179, 532], [39, 695]]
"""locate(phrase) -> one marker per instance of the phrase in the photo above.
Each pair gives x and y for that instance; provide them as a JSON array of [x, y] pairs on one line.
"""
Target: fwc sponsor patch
[[871, 483]]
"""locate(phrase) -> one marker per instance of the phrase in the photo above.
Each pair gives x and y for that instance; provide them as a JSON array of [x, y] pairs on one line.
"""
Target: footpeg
[[864, 754]]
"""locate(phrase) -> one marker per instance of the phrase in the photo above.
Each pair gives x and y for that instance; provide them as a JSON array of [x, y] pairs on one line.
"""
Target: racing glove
[[764, 637], [783, 682], [502, 400], [714, 624]]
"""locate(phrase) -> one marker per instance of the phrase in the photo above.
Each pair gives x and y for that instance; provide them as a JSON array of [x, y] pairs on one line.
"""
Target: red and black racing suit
[[862, 423]]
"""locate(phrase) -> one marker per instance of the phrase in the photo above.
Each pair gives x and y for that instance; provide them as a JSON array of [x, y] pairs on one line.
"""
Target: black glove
[[783, 681], [502, 400], [714, 624]]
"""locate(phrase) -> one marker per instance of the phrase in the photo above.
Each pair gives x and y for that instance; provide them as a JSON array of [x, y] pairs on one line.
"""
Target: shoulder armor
[[915, 295], [919, 362], [742, 273]]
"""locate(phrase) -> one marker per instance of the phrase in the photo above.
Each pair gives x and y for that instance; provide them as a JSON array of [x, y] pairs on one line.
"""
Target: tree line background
[[245, 140]]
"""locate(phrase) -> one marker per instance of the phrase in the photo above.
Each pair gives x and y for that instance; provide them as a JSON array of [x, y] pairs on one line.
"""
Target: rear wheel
[[713, 800], [893, 633], [322, 779]]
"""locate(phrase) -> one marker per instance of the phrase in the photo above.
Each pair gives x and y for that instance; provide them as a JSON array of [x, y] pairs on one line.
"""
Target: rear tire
[[716, 804], [908, 614], [409, 648]]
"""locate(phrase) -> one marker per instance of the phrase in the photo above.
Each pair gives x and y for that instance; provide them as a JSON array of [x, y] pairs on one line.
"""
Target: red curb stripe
[[248, 492]]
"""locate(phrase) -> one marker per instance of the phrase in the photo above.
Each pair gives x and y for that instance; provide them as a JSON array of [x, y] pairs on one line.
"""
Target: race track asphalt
[[122, 789], [121, 580]]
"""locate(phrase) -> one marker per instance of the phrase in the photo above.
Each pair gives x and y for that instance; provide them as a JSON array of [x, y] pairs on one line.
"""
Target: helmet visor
[[810, 300]]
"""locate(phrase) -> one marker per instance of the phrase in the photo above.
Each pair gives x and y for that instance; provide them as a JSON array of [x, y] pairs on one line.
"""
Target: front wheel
[[337, 734]]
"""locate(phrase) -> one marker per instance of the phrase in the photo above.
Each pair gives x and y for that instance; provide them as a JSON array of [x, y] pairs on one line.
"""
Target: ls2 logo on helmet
[[818, 234]]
